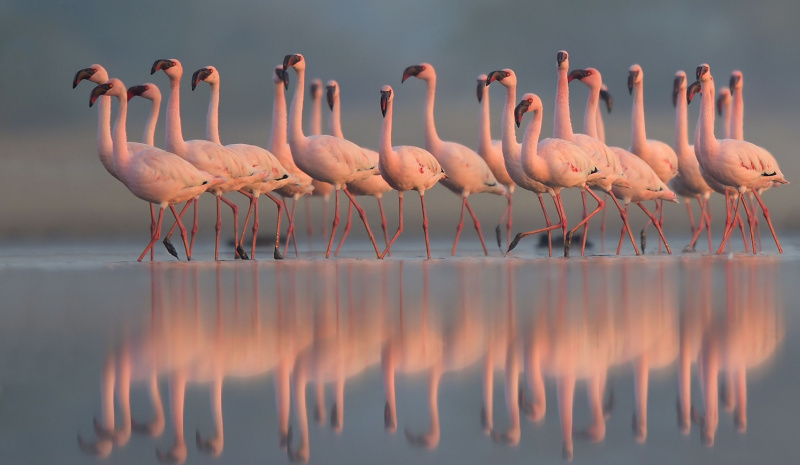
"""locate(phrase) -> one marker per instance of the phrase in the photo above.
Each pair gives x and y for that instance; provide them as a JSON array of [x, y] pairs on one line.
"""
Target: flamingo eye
[[530, 100], [508, 74], [422, 68], [110, 85], [172, 63]]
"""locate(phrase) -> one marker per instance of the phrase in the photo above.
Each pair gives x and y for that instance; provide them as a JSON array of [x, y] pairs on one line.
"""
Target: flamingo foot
[[170, 248], [567, 243], [643, 239], [514, 243], [689, 249], [242, 254], [497, 233], [277, 255]]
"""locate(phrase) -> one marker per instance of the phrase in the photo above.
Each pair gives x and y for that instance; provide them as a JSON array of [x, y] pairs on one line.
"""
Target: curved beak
[[384, 101], [520, 110], [136, 91], [676, 88], [695, 88], [283, 76], [200, 75], [561, 57], [411, 71], [482, 83], [160, 64], [720, 104], [494, 76], [606, 96], [290, 60], [85, 73], [701, 70], [631, 77], [734, 80], [577, 74], [97, 92], [329, 96]]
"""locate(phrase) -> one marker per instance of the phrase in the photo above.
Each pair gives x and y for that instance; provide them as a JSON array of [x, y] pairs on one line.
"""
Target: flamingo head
[[562, 58], [481, 87], [315, 89], [737, 80], [703, 73], [332, 93], [606, 96], [171, 67], [148, 90], [296, 61], [280, 76], [678, 86], [529, 102], [505, 77], [387, 96], [114, 87], [635, 76], [94, 73], [422, 71], [723, 99], [208, 74]]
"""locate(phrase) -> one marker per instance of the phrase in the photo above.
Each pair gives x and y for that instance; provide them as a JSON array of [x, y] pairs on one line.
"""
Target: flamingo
[[321, 189], [254, 156], [660, 156], [491, 151], [467, 173], [374, 186], [689, 181], [405, 167], [205, 155], [512, 150], [737, 164], [326, 158], [556, 163], [590, 141], [152, 174]]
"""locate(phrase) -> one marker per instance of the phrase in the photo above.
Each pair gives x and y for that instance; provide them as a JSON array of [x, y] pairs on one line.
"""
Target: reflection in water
[[318, 324]]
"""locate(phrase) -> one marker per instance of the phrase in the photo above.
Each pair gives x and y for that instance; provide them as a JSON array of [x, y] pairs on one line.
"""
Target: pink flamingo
[[321, 189], [734, 163], [326, 158], [405, 167], [254, 156], [491, 150], [152, 174], [556, 163], [467, 172], [512, 150], [374, 186], [205, 155]]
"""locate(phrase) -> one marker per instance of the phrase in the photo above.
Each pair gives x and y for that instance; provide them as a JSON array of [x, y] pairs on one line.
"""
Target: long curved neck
[[562, 124], [601, 129], [706, 140], [212, 118], [148, 137], [296, 111], [120, 137], [174, 139], [485, 126], [590, 115], [335, 121], [510, 144], [681, 122], [727, 125], [737, 120], [105, 145], [638, 134], [316, 116], [432, 140], [385, 140], [277, 133], [531, 161]]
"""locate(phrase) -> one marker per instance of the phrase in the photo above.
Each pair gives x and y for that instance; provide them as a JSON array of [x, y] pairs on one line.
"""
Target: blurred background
[[55, 185]]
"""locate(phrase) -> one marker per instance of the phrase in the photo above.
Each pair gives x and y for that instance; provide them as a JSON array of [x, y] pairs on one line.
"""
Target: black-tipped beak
[[411, 71], [314, 89], [385, 94], [136, 91], [290, 60], [520, 110], [606, 96], [85, 73], [98, 91], [200, 75], [495, 76], [734, 81], [701, 70], [329, 96], [676, 88], [578, 74], [481, 86], [561, 57], [720, 104], [283, 76], [161, 64], [632, 75], [695, 88]]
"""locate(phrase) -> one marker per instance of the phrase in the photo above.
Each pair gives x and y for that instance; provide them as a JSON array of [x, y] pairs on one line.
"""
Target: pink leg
[[326, 200], [691, 217], [623, 213], [363, 217], [603, 231], [182, 229], [599, 207], [167, 243], [253, 201], [660, 218], [477, 225], [655, 223], [276, 254], [217, 228], [749, 222], [399, 227], [383, 225], [547, 228], [156, 234], [506, 214], [548, 223], [239, 251], [346, 229], [194, 229], [335, 223], [701, 225], [152, 228], [622, 233], [425, 225], [707, 217], [734, 215], [585, 226], [510, 222], [309, 224], [290, 235], [460, 225], [769, 221]]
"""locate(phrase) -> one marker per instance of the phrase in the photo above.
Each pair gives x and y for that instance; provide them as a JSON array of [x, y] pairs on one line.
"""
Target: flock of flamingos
[[296, 165], [527, 337]]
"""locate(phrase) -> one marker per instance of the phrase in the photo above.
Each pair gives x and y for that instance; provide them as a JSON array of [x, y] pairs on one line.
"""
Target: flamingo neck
[[737, 120], [385, 141], [590, 115], [335, 121], [681, 123], [432, 140], [562, 124], [174, 134], [601, 129], [296, 135], [120, 137], [316, 115], [148, 137], [705, 140], [638, 134], [105, 145], [531, 161], [277, 133], [509, 137], [485, 126], [727, 125], [212, 117]]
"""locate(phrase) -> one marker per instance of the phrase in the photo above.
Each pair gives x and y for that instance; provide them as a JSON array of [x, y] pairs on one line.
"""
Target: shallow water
[[350, 360]]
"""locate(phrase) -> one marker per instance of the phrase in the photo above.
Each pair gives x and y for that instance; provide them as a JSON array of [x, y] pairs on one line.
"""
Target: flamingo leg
[[217, 228], [477, 225], [460, 226], [548, 223], [691, 216], [749, 222], [660, 203], [152, 228], [655, 223], [622, 233], [253, 201], [363, 217], [498, 229], [506, 214], [425, 225], [399, 227], [734, 214], [335, 223], [346, 229], [568, 238], [623, 213], [290, 235], [383, 225], [326, 200], [239, 251], [510, 221], [701, 225], [155, 236], [585, 226], [182, 229], [603, 231], [765, 210], [277, 253], [547, 228], [167, 243], [707, 217], [309, 224], [194, 229]]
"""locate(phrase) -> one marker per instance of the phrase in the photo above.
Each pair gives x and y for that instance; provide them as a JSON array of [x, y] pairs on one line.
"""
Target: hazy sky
[[48, 133]]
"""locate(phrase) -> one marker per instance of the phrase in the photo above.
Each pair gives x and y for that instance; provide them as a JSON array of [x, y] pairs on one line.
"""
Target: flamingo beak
[[676, 88], [85, 73], [284, 76], [161, 64], [720, 104], [385, 94], [578, 74], [632, 75], [482, 83], [520, 110], [98, 91], [329, 95], [606, 96], [411, 71], [561, 57], [701, 70], [136, 91], [735, 78], [200, 75], [494, 76], [290, 60], [695, 88]]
